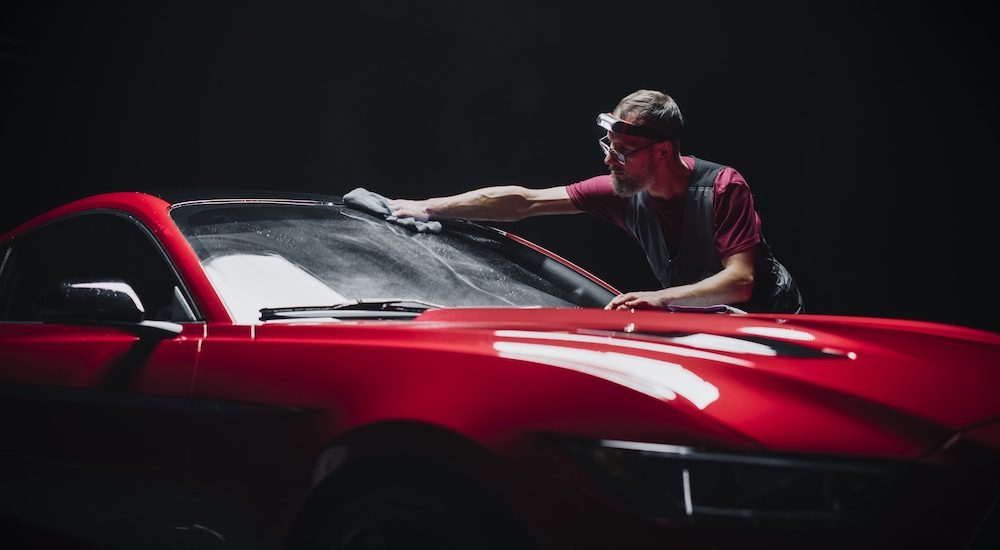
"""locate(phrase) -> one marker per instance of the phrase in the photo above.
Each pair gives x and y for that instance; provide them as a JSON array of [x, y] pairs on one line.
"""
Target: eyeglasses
[[605, 143]]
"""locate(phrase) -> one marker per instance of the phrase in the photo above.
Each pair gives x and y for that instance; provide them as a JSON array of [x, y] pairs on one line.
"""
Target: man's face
[[638, 171]]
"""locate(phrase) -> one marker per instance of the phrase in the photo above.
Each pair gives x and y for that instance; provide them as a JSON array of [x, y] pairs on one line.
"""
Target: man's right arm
[[499, 204]]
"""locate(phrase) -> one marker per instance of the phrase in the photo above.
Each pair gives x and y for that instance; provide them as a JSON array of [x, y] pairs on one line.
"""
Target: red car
[[265, 371]]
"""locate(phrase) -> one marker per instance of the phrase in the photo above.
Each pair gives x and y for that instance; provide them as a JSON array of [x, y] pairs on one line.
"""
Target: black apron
[[697, 258]]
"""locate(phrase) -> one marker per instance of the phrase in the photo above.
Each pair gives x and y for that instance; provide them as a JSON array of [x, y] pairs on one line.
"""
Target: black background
[[866, 129]]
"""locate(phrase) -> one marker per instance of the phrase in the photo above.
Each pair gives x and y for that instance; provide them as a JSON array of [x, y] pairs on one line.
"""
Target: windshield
[[266, 255]]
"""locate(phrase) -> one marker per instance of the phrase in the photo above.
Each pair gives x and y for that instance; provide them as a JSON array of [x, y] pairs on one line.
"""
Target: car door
[[95, 416]]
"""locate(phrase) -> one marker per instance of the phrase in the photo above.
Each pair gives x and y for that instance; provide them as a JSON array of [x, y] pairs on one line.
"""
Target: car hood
[[804, 383]]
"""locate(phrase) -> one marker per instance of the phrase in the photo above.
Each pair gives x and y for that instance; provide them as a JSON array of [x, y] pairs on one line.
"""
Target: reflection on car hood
[[885, 386], [802, 383]]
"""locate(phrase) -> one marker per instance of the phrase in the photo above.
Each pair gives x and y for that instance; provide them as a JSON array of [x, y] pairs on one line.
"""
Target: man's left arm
[[732, 285]]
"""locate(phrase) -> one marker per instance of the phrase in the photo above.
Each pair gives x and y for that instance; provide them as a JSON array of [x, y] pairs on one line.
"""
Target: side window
[[99, 247]]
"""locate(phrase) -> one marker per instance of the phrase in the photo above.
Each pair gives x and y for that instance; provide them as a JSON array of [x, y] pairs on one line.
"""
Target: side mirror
[[110, 302], [94, 301]]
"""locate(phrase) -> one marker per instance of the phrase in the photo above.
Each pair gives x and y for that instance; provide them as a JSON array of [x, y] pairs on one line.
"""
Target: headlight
[[680, 484]]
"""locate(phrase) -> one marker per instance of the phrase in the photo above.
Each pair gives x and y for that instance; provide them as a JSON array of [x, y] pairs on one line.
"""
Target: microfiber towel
[[373, 203]]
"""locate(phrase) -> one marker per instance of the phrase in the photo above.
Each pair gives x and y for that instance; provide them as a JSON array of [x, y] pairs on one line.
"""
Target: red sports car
[[289, 371]]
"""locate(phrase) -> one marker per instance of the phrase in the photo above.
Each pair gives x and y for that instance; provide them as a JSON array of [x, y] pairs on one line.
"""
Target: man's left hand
[[654, 299]]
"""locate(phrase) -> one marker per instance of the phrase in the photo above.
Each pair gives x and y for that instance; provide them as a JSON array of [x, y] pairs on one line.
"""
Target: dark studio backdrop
[[865, 129]]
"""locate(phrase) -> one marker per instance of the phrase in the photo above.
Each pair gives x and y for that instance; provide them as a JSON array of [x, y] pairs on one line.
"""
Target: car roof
[[192, 194]]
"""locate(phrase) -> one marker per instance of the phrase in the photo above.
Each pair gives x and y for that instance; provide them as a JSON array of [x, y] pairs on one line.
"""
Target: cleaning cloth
[[373, 203]]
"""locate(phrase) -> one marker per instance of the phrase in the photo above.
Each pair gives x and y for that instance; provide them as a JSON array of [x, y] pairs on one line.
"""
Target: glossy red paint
[[265, 420]]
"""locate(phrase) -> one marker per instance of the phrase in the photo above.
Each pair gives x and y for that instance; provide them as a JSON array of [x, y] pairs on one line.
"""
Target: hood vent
[[740, 344]]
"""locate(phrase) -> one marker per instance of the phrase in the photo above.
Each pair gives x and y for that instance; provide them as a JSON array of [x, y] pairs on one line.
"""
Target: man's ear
[[666, 149]]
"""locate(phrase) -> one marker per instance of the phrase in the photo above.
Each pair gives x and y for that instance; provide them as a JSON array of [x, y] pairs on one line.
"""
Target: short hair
[[651, 108]]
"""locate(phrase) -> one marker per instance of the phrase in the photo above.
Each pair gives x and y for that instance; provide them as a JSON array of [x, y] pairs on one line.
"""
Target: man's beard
[[625, 186]]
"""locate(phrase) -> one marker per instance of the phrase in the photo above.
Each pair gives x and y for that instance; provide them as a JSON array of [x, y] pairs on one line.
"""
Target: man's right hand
[[403, 208]]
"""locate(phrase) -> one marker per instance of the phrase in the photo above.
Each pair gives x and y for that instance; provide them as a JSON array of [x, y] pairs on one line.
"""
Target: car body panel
[[95, 409]]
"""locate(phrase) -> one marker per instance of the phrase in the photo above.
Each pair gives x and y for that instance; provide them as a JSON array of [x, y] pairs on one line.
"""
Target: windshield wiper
[[356, 309]]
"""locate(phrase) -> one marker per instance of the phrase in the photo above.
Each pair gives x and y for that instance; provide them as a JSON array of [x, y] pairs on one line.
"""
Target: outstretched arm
[[732, 285], [500, 204]]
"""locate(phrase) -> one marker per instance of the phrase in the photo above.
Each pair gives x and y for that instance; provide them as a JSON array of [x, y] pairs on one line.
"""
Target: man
[[694, 219]]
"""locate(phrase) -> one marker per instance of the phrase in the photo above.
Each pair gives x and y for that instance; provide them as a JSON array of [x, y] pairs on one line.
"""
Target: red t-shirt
[[737, 225]]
